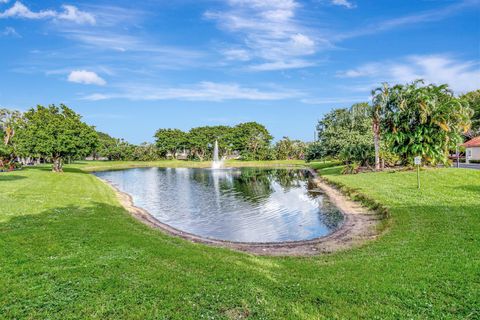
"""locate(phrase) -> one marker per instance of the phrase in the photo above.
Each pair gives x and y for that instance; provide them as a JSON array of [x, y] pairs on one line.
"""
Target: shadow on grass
[[96, 260], [48, 168], [471, 188], [10, 177]]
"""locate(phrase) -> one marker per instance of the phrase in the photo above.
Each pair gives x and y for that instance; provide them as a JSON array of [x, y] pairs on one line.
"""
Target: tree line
[[56, 134], [401, 123], [247, 141]]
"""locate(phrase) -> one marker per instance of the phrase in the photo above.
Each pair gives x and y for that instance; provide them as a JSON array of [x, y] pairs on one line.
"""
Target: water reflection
[[248, 204]]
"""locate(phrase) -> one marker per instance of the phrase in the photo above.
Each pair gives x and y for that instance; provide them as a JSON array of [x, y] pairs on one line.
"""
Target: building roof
[[475, 142]]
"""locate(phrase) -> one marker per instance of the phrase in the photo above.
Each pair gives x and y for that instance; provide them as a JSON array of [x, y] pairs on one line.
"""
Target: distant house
[[92, 158], [472, 149]]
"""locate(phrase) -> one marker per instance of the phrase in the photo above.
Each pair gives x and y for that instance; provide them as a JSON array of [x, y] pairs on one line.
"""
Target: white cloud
[[21, 11], [281, 65], [70, 13], [343, 3], [86, 77], [236, 54], [4, 1], [268, 31], [203, 91], [10, 31], [408, 20], [334, 100], [461, 76]]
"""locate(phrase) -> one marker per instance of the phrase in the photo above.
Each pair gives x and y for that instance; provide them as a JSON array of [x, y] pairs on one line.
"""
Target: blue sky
[[131, 67]]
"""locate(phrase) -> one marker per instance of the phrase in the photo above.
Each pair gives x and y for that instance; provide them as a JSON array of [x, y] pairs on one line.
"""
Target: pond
[[238, 204]]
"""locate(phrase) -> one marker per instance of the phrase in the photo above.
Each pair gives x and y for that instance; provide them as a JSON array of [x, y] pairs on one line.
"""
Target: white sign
[[418, 161]]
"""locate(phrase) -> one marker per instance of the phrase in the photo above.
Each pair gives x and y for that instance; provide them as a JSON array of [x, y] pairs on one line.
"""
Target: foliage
[[389, 158], [362, 154], [56, 133], [250, 140], [473, 100], [341, 128], [315, 151], [146, 152], [351, 168], [8, 126], [425, 121], [200, 141], [286, 149], [170, 141]]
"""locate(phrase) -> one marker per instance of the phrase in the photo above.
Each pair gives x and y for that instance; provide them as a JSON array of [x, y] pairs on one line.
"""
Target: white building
[[472, 150]]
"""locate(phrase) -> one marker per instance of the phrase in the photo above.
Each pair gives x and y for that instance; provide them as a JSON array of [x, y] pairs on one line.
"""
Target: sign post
[[418, 162]]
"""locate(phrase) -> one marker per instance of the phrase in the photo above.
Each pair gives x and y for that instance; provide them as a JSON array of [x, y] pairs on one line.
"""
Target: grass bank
[[118, 165], [68, 250]]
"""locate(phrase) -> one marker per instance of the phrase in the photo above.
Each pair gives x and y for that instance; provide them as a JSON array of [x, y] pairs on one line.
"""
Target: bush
[[474, 161], [351, 168], [361, 154], [315, 151]]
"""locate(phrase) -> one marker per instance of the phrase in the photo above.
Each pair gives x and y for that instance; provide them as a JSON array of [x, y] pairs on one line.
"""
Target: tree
[[290, 149], [380, 98], [146, 152], [424, 120], [252, 140], [473, 100], [170, 141], [341, 128], [55, 133], [201, 141], [8, 124]]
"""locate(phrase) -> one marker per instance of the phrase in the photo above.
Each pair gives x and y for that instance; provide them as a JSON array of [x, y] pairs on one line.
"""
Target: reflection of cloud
[[205, 202]]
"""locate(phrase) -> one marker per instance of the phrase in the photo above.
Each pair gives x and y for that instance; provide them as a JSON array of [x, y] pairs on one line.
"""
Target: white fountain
[[217, 162]]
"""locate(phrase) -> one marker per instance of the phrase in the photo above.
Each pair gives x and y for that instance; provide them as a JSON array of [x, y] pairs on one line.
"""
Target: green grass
[[68, 250], [109, 165]]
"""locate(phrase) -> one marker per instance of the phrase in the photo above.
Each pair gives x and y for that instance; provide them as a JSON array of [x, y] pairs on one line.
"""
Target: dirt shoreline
[[358, 227]]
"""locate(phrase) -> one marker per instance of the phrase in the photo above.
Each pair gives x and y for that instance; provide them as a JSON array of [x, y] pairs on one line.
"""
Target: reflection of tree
[[253, 184], [331, 217], [289, 179], [201, 176]]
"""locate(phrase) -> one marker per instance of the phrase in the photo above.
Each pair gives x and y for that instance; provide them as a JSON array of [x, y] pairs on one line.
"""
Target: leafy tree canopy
[[473, 100], [56, 133], [341, 128], [424, 120]]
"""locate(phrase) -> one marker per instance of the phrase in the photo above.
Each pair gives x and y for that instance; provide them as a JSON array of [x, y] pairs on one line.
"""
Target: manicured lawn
[[109, 165], [68, 250]]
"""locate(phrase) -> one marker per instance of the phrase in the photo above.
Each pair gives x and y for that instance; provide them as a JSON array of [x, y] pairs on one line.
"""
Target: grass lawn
[[109, 165], [68, 250]]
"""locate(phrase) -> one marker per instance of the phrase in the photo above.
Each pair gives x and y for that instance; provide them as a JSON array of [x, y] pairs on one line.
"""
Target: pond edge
[[359, 226]]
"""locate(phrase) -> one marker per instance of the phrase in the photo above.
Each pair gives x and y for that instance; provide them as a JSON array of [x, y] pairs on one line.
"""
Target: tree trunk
[[57, 164], [376, 142]]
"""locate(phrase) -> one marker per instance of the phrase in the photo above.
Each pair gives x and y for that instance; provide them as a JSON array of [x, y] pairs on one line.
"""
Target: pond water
[[241, 204]]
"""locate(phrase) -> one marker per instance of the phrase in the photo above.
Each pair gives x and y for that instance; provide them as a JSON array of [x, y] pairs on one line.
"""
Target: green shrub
[[351, 168], [361, 154]]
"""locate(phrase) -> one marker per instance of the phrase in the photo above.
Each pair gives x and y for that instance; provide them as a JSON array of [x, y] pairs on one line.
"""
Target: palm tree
[[424, 120], [379, 101], [7, 124]]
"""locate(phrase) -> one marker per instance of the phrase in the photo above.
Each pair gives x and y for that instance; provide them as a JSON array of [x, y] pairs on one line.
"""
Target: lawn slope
[[68, 250]]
